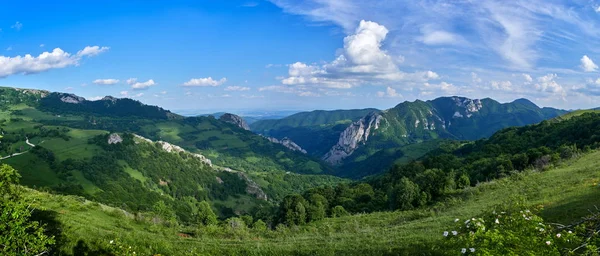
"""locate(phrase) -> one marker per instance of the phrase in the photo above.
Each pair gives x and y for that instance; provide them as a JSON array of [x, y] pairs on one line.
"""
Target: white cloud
[[237, 88], [502, 85], [548, 83], [587, 64], [138, 95], [163, 92], [9, 48], [69, 88], [527, 78], [209, 81], [92, 50], [45, 61], [135, 85], [17, 26], [475, 78], [361, 61], [442, 88], [124, 93], [42, 45], [390, 93], [433, 36], [105, 81]]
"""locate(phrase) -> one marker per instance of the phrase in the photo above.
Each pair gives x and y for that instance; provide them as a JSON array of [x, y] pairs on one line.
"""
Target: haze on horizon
[[304, 55]]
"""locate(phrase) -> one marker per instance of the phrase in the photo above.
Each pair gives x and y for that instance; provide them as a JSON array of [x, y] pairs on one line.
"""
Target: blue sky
[[233, 55]]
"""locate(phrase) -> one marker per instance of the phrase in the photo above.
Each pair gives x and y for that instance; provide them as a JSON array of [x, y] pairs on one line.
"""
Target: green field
[[564, 194]]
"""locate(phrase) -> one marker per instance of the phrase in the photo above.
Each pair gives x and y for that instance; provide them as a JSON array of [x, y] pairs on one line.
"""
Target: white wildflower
[[111, 241], [463, 250], [454, 233], [570, 232], [527, 211], [497, 221], [558, 235], [541, 229], [456, 220], [548, 242], [445, 233], [472, 249]]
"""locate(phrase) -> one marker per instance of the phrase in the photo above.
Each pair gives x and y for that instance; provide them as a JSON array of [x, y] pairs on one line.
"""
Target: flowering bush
[[508, 232]]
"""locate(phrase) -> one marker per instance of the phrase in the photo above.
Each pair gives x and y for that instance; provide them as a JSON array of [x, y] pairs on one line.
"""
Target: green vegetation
[[314, 131], [19, 235]]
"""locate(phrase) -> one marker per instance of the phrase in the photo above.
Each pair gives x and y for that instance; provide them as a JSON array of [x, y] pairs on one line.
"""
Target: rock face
[[350, 139], [72, 98], [235, 120], [470, 106], [166, 146], [286, 142], [114, 139]]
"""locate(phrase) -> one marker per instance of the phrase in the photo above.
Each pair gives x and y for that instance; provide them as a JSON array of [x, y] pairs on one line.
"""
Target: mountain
[[376, 139], [127, 154], [313, 131], [529, 208], [235, 120]]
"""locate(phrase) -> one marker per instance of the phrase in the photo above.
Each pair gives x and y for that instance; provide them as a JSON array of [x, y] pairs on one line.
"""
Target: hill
[[224, 143], [566, 194], [452, 118], [95, 149], [314, 131]]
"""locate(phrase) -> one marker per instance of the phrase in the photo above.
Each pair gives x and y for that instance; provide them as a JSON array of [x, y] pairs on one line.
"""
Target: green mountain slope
[[225, 144], [314, 131], [566, 194], [453, 118], [61, 143]]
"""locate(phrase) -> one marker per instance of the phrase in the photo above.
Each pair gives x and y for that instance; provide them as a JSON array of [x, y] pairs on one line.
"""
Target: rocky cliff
[[350, 139], [288, 143], [166, 146], [235, 120]]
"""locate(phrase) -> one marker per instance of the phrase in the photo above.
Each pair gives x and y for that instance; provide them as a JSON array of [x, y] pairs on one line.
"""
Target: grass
[[565, 193], [87, 185], [34, 172], [76, 148]]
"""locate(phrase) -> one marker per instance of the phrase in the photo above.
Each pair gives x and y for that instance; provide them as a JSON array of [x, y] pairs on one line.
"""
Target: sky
[[241, 55]]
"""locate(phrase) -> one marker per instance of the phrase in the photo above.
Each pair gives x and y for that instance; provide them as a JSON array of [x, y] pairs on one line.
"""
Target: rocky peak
[[235, 120], [469, 106], [350, 139], [109, 98], [72, 98], [114, 139], [288, 143]]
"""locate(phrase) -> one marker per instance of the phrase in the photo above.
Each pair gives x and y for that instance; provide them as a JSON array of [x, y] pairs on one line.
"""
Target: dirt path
[[18, 154]]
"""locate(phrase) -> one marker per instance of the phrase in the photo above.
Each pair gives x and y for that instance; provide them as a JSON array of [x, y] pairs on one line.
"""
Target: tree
[[18, 234], [162, 210], [405, 195], [292, 210], [338, 211], [317, 207], [206, 216]]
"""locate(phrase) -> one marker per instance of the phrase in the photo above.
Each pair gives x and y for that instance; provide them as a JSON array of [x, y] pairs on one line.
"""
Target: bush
[[18, 234]]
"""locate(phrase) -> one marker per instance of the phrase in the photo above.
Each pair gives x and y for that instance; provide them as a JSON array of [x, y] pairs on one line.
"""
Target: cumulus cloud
[[124, 93], [548, 83], [362, 60], [92, 51], [203, 82], [105, 81], [390, 93], [135, 85], [56, 59], [587, 64], [237, 88], [501, 85], [528, 78]]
